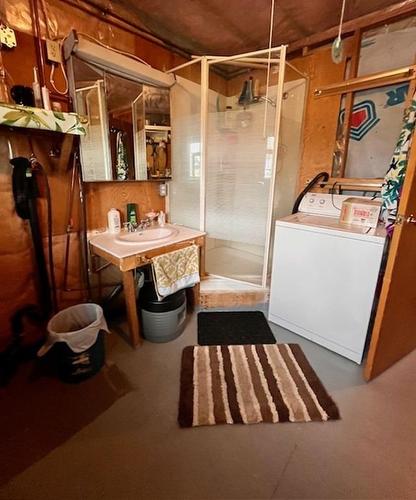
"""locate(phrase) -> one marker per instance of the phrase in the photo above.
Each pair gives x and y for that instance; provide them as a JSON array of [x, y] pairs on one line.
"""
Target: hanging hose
[[76, 180], [25, 193], [83, 234], [322, 175], [37, 167], [69, 225]]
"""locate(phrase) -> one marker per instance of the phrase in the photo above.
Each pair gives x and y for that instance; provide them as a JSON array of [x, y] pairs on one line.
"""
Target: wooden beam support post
[[349, 103]]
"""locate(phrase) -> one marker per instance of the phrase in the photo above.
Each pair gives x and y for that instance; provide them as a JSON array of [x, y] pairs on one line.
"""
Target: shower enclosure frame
[[279, 57]]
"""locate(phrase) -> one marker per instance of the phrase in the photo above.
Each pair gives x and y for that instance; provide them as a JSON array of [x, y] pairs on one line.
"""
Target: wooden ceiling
[[225, 27]]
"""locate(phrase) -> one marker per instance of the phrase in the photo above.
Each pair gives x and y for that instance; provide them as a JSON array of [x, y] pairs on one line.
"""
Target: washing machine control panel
[[322, 204]]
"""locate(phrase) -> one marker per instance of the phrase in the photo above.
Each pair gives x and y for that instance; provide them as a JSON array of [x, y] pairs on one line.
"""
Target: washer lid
[[331, 225]]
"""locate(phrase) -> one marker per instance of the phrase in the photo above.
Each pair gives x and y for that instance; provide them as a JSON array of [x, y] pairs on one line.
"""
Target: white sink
[[150, 235]]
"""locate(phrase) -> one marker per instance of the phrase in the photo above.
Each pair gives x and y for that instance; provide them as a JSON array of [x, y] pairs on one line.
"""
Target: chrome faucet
[[132, 227], [144, 223]]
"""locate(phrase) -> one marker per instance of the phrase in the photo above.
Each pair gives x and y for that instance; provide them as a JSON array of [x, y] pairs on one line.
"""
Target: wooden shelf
[[13, 115], [157, 128], [155, 179]]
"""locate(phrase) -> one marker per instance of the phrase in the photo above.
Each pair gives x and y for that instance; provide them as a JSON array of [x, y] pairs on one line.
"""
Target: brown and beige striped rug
[[248, 384]]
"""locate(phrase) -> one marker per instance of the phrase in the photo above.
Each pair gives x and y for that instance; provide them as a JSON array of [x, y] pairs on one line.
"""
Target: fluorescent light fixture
[[114, 62]]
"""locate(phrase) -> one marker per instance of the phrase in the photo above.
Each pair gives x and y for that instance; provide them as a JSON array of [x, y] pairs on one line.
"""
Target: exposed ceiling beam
[[397, 10], [112, 18]]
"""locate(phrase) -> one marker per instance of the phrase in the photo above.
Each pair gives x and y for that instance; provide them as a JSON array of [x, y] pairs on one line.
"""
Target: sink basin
[[151, 235]]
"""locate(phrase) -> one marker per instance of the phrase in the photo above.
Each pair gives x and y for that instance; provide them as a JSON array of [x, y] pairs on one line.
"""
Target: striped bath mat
[[248, 384]]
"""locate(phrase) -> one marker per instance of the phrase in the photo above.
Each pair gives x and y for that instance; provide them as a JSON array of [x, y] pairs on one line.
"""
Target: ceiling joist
[[394, 12]]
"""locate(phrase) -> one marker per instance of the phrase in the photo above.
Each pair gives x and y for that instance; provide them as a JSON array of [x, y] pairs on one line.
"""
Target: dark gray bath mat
[[234, 328]]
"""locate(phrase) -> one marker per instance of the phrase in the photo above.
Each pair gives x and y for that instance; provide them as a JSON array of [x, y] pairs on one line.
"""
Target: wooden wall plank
[[101, 196], [321, 115]]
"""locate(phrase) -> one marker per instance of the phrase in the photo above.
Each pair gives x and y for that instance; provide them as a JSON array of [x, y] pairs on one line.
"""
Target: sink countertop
[[107, 241]]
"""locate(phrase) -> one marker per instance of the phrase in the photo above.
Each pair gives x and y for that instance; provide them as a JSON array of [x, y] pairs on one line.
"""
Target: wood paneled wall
[[101, 196], [17, 265], [321, 115]]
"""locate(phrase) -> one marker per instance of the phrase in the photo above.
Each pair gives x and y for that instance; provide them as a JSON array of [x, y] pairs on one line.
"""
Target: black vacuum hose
[[323, 176], [38, 167], [25, 192]]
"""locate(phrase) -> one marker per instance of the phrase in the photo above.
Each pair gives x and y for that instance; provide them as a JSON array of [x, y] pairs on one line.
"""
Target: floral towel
[[393, 181], [122, 165], [176, 270]]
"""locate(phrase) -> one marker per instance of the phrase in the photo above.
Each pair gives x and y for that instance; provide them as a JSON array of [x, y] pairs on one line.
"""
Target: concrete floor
[[135, 450]]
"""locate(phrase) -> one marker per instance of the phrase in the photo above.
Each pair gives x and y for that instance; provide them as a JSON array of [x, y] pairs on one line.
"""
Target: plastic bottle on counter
[[113, 219]]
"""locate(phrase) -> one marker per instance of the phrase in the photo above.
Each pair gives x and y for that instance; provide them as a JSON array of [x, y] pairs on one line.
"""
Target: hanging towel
[[175, 270], [393, 181], [122, 165]]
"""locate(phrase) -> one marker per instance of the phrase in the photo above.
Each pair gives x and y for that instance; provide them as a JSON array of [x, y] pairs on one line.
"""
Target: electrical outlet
[[7, 37], [163, 189], [53, 51]]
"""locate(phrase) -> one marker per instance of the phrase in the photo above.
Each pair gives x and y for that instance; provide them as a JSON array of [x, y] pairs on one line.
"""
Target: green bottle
[[132, 210]]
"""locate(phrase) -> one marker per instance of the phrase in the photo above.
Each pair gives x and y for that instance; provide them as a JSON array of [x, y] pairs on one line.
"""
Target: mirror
[[90, 101], [129, 134], [120, 95]]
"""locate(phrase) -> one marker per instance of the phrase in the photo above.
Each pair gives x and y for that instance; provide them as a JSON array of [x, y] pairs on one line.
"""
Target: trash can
[[163, 320], [76, 335]]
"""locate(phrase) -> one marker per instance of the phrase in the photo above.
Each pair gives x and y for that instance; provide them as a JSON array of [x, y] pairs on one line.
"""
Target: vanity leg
[[196, 293], [202, 260], [197, 288], [132, 317]]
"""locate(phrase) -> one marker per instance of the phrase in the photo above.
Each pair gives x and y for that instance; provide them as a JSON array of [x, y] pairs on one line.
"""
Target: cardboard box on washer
[[360, 212]]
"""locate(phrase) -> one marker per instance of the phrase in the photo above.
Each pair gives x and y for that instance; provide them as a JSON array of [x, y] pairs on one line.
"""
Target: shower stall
[[235, 157]]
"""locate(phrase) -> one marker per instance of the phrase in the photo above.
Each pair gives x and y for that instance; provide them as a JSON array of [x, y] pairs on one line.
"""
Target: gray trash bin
[[162, 320]]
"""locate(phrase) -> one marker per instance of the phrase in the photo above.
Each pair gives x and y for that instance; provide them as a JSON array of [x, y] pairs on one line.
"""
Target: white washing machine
[[324, 275]]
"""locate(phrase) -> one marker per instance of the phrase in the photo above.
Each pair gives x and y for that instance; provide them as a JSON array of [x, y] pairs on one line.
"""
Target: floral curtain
[[394, 178]]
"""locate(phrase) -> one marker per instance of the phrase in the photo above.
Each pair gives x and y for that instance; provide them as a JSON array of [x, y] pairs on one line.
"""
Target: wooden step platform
[[222, 292]]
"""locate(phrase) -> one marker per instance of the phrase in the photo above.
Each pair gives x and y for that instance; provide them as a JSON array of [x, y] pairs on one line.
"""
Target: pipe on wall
[[34, 7]]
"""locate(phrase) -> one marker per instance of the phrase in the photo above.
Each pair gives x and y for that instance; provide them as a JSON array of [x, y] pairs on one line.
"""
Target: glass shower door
[[184, 189], [238, 177]]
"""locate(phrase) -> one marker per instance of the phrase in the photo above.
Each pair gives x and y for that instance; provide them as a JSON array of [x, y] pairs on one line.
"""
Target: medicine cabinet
[[129, 134]]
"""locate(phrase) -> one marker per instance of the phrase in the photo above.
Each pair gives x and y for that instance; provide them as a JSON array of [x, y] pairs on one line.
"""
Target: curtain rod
[[370, 184], [366, 82]]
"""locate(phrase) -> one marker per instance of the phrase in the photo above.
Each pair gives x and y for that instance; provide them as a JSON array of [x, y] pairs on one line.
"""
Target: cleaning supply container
[[76, 335], [163, 320]]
